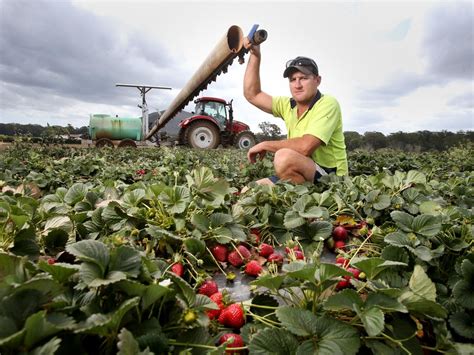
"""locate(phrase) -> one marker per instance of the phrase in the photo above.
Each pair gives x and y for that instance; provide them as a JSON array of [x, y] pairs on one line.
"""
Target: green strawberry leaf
[[345, 299], [463, 324], [384, 302], [298, 321], [48, 348], [269, 281], [293, 220], [273, 341], [329, 272], [195, 246], [373, 266], [321, 230], [152, 294], [76, 193], [403, 220], [107, 324], [299, 269], [382, 202], [415, 177], [200, 221], [400, 239], [373, 320], [125, 259], [463, 290], [91, 251], [59, 271], [176, 199], [421, 284], [426, 225], [40, 326], [185, 292], [127, 345]]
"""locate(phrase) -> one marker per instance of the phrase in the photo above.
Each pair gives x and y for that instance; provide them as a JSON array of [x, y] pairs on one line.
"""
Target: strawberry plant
[[139, 250]]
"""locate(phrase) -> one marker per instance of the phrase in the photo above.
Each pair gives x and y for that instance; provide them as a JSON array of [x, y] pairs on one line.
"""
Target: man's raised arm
[[252, 88]]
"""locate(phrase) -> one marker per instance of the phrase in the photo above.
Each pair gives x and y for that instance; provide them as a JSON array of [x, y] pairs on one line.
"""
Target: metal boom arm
[[226, 50]]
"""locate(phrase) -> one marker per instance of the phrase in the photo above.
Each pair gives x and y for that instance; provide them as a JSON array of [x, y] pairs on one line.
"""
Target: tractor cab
[[212, 124], [214, 109]]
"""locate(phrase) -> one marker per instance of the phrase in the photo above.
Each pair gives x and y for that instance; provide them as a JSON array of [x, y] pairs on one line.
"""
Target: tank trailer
[[212, 122]]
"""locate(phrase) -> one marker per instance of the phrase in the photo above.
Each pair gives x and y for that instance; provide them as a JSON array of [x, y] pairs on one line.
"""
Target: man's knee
[[282, 158]]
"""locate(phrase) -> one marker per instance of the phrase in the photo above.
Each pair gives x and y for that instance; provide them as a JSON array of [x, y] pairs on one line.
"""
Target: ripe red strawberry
[[265, 250], [232, 316], [236, 342], [220, 252], [342, 261], [355, 272], [235, 259], [275, 258], [339, 244], [217, 299], [51, 261], [244, 252], [342, 284], [178, 269], [208, 288], [339, 233], [299, 255], [253, 268]]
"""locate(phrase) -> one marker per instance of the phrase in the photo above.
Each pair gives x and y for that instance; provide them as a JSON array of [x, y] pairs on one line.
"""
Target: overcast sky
[[393, 66]]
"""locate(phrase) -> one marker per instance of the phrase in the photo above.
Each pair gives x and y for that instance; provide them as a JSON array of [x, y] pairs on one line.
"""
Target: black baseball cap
[[303, 64]]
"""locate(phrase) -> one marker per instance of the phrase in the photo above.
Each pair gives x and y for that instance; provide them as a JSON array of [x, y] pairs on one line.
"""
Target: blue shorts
[[320, 171]]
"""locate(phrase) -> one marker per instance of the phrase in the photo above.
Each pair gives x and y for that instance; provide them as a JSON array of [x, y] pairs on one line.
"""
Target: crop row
[[130, 251]]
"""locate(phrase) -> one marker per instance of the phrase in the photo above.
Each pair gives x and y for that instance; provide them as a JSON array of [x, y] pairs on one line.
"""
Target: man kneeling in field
[[315, 144]]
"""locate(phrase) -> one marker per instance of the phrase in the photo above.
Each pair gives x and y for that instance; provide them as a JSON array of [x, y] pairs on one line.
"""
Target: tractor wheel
[[127, 143], [202, 135], [244, 140], [104, 142]]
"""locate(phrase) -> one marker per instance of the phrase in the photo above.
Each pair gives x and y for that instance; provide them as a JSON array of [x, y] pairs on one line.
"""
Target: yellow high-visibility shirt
[[322, 120]]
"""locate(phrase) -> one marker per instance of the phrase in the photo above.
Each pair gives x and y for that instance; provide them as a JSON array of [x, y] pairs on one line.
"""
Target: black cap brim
[[292, 68]]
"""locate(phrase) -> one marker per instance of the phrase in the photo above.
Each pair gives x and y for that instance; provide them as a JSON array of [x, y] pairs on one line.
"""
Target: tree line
[[36, 130], [420, 141], [412, 141]]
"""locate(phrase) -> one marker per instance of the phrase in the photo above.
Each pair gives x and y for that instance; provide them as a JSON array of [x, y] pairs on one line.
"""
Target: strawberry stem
[[216, 262], [358, 249]]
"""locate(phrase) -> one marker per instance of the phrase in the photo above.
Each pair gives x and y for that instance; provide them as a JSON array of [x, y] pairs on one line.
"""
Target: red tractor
[[212, 124]]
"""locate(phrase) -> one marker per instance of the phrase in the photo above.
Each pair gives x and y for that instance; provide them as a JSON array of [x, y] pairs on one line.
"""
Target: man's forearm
[[252, 86], [302, 145]]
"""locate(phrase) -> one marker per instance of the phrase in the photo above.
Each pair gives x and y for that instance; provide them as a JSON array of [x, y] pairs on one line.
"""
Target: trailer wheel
[[202, 135], [127, 143], [104, 142], [244, 140]]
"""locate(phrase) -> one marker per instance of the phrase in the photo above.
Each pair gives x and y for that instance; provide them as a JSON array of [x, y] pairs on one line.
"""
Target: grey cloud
[[452, 121], [65, 51], [449, 41], [371, 121], [401, 85], [463, 101], [366, 121], [449, 52]]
